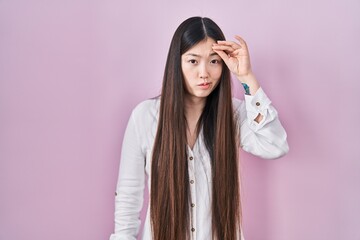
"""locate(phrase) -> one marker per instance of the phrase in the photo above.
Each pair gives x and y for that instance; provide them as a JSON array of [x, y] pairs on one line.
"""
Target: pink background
[[71, 72]]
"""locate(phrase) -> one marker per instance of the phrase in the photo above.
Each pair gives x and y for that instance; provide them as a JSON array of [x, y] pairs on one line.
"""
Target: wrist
[[246, 78], [249, 83], [246, 88]]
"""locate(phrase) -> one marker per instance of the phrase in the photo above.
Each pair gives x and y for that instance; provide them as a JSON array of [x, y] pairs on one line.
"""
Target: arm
[[130, 186], [266, 138], [237, 58], [261, 131]]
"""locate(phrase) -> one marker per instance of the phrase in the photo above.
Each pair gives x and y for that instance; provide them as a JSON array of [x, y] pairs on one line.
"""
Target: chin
[[202, 95]]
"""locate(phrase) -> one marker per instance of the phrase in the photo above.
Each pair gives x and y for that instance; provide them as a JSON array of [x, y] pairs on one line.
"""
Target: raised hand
[[235, 55], [237, 58]]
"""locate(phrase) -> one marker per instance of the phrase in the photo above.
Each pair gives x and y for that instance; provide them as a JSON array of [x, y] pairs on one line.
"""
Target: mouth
[[204, 84]]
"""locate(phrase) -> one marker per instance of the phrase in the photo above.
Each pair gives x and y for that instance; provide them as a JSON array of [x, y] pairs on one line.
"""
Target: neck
[[193, 107]]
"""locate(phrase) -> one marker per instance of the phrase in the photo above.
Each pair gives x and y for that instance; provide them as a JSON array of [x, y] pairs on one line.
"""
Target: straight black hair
[[170, 194]]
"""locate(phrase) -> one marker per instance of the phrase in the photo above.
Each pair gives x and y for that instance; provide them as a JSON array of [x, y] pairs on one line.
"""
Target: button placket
[[191, 166]]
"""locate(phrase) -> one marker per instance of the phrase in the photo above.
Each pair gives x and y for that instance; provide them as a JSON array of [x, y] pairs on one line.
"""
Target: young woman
[[187, 141]]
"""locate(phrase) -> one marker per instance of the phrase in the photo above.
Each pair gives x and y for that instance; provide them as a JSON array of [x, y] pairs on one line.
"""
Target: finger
[[223, 55], [241, 40], [224, 48], [238, 52], [229, 43]]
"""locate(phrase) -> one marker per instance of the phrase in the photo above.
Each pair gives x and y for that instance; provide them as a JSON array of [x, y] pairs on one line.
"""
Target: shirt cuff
[[256, 104]]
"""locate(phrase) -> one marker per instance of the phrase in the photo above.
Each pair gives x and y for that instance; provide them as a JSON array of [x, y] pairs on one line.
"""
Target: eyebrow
[[197, 55]]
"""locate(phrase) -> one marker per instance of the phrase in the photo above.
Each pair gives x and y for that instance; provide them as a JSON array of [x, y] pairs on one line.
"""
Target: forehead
[[203, 48]]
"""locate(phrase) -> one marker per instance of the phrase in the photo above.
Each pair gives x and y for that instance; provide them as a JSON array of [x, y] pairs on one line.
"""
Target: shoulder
[[146, 106], [146, 110]]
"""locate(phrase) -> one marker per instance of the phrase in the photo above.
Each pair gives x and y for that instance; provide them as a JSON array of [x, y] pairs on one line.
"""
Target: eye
[[192, 61], [215, 61]]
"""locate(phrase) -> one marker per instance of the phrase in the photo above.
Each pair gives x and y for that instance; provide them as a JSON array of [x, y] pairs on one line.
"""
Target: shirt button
[[192, 205], [115, 193], [193, 229], [191, 158], [191, 181], [257, 104]]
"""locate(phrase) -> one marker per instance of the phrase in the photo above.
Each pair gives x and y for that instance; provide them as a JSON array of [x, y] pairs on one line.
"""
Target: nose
[[203, 71]]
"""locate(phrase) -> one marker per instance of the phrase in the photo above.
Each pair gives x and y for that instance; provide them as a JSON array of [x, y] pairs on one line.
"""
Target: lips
[[205, 86]]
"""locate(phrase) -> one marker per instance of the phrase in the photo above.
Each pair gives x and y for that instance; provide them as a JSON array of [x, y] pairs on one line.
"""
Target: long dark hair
[[170, 194]]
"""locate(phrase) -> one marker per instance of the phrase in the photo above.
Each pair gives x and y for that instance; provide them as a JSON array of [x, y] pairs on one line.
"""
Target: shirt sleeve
[[130, 186], [266, 139]]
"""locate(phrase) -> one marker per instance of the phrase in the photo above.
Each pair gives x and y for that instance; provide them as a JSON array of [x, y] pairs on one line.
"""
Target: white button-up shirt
[[266, 139]]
